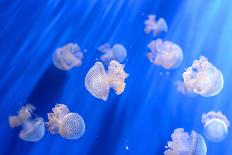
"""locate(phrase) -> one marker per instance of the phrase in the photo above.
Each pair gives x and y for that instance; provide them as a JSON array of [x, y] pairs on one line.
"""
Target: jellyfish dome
[[215, 126], [68, 125], [98, 81], [186, 144], [156, 26], [203, 78], [32, 129], [67, 57], [118, 52], [165, 53]]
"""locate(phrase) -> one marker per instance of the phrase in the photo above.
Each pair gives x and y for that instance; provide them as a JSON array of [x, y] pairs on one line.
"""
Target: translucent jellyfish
[[215, 125], [98, 81], [186, 144], [203, 78], [117, 52], [33, 129], [165, 53], [156, 26], [68, 125], [67, 57]]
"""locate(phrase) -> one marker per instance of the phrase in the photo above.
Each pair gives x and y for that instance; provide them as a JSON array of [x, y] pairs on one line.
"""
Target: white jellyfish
[[68, 125], [165, 53], [98, 81], [215, 126], [203, 78], [186, 144], [32, 129], [151, 24], [67, 57], [118, 52]]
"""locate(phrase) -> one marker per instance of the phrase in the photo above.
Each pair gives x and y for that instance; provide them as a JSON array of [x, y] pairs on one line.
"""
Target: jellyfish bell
[[215, 126]]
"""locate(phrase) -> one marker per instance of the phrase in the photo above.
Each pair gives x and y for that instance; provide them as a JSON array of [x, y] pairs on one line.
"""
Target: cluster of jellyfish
[[60, 121]]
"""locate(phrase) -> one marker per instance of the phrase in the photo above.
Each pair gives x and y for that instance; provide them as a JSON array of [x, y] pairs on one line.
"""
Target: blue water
[[138, 122]]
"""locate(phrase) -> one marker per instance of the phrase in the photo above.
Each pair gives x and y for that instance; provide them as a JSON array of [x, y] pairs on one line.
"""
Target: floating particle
[[98, 81], [186, 144], [165, 53], [203, 78], [215, 125], [151, 24], [32, 129], [68, 125], [68, 56], [118, 52]]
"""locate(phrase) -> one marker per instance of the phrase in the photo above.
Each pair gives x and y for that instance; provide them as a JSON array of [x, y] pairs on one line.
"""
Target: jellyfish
[[203, 78], [98, 81], [156, 26], [186, 144], [62, 121], [215, 125], [33, 129], [165, 53], [67, 57], [118, 52]]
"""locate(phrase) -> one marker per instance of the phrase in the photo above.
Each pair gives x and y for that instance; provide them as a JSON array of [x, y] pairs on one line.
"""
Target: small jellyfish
[[186, 144], [98, 81], [215, 126], [32, 129], [118, 52], [67, 57], [68, 125], [165, 53], [156, 26], [203, 78]]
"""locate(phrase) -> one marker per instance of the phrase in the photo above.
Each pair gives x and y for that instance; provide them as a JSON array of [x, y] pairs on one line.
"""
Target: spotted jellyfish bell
[[203, 78], [32, 129], [215, 125], [186, 144], [68, 125], [67, 57]]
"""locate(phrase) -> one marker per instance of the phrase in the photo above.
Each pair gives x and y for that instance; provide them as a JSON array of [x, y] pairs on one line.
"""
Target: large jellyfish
[[117, 52], [67, 57], [203, 78], [156, 26], [186, 144], [215, 125], [33, 129], [68, 125], [165, 53], [98, 81]]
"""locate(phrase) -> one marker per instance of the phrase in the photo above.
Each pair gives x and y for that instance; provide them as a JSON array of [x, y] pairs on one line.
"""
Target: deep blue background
[[150, 108]]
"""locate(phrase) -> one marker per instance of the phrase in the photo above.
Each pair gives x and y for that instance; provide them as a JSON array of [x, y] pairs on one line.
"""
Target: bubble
[[165, 53], [215, 126], [68, 125], [184, 144], [67, 57], [118, 52], [151, 24], [32, 129], [203, 78], [98, 81]]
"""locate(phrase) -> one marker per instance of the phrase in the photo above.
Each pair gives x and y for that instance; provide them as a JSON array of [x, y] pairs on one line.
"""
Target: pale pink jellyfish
[[203, 78], [184, 143], [151, 24], [68, 56], [215, 125], [33, 129], [165, 53], [118, 52], [68, 125], [98, 81]]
